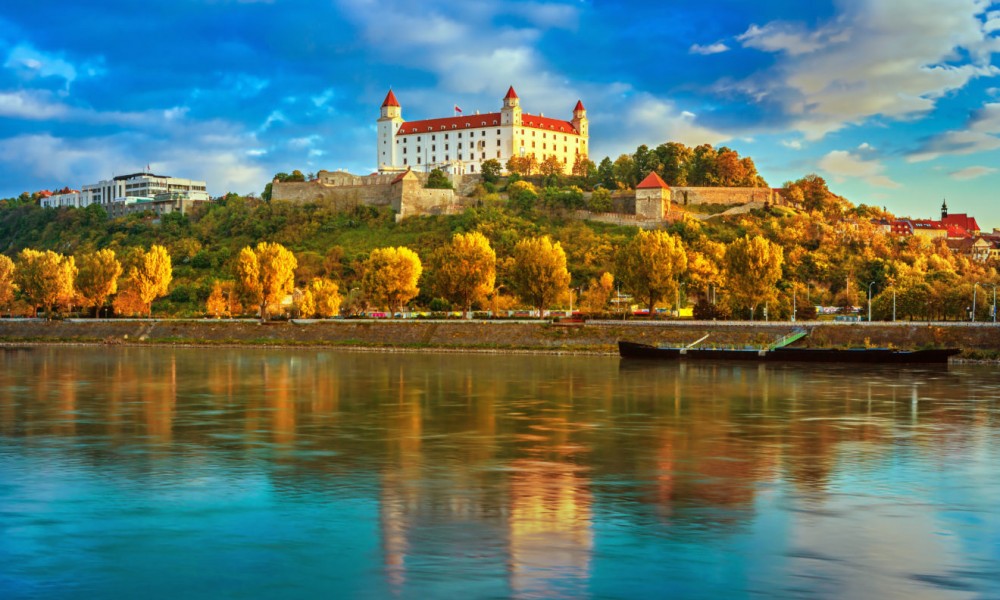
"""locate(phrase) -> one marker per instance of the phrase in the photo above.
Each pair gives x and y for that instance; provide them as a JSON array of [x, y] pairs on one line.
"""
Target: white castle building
[[135, 192], [460, 144]]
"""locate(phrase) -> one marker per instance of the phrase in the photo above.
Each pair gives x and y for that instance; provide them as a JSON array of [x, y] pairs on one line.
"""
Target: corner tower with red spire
[[460, 144], [389, 122]]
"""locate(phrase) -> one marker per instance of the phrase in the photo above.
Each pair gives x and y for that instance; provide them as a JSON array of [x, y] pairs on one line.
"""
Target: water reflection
[[369, 475]]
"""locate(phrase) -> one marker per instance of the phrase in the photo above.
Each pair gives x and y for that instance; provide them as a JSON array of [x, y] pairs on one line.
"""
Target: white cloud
[[30, 63], [651, 121], [716, 48], [971, 173], [34, 106], [876, 58], [980, 135], [841, 164], [793, 144]]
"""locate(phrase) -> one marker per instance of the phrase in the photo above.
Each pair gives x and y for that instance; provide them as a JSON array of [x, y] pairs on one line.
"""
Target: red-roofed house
[[460, 144]]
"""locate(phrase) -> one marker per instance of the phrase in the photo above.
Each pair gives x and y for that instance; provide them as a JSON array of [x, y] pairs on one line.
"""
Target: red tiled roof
[[652, 181], [538, 122], [449, 123], [484, 120], [510, 93], [962, 220], [927, 224], [957, 231], [390, 100], [579, 106], [400, 177]]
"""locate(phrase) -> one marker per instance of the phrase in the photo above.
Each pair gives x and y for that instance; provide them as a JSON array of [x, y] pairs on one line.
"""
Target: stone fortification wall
[[683, 196], [345, 197], [429, 202], [631, 220]]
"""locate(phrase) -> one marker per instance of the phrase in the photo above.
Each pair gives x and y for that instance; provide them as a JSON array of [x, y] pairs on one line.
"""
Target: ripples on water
[[206, 473]]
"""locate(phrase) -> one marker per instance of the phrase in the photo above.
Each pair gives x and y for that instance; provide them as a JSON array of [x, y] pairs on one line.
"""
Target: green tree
[[606, 174], [490, 170], [752, 270], [673, 159], [600, 201], [438, 180], [539, 272], [265, 274], [391, 276], [650, 266], [465, 270]]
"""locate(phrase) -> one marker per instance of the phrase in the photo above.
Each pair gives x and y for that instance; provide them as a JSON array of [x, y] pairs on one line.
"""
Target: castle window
[[454, 126], [404, 161], [418, 149], [434, 159], [433, 148], [565, 138], [545, 146], [472, 156], [460, 145], [433, 137], [466, 124], [446, 146], [446, 136], [484, 125], [565, 149], [498, 142], [430, 129], [446, 159], [498, 154], [532, 144], [418, 139], [418, 160], [544, 134], [484, 156], [483, 133], [495, 122], [404, 150], [498, 131], [442, 128]]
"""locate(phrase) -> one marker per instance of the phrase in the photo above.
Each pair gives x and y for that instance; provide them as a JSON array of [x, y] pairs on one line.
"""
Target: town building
[[460, 144], [137, 192], [960, 232]]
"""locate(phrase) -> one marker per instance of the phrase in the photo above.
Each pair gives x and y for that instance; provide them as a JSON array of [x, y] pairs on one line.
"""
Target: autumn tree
[[97, 279], [216, 305], [551, 166], [326, 295], [752, 269], [539, 272], [7, 285], [265, 274], [650, 265], [596, 297], [147, 277], [584, 167], [306, 304], [465, 270], [391, 276], [45, 278]]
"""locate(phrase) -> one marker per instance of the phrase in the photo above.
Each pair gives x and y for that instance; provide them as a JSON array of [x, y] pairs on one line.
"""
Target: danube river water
[[227, 473]]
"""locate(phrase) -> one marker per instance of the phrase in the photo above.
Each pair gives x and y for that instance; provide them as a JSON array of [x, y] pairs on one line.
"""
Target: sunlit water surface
[[159, 473]]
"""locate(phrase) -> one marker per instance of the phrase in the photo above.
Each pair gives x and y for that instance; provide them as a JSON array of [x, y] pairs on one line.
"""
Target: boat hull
[[780, 355]]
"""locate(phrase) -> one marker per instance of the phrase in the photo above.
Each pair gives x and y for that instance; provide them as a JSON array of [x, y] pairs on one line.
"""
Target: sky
[[896, 103]]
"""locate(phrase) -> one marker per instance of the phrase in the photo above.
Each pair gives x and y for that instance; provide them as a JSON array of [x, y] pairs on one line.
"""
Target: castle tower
[[652, 198], [510, 114], [580, 118], [944, 209], [389, 121]]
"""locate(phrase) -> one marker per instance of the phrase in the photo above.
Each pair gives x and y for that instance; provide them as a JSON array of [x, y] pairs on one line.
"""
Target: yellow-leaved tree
[[539, 274], [216, 305], [306, 304], [650, 265], [45, 278], [391, 276], [595, 299], [465, 270], [7, 285], [97, 278], [752, 269], [265, 274], [147, 277], [326, 294]]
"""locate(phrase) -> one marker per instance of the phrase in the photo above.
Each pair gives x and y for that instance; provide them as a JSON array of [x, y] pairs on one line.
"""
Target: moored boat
[[788, 354]]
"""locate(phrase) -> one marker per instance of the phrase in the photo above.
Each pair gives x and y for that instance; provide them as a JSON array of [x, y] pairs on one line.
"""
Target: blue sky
[[895, 102]]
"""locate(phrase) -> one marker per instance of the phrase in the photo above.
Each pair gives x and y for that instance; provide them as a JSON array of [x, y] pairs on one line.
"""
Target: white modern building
[[460, 144], [116, 195]]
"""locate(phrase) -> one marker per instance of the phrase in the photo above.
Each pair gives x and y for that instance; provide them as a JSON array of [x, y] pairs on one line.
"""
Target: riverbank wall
[[595, 336]]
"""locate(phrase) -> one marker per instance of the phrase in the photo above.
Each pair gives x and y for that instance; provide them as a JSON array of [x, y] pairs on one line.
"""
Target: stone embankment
[[595, 336]]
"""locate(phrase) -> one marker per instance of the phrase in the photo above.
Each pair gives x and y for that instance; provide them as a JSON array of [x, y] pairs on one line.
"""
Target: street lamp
[[994, 302], [893, 304], [870, 301], [793, 302], [974, 289]]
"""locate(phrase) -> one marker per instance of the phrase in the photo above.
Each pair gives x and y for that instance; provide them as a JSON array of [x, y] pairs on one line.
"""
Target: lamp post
[[793, 302], [893, 304], [975, 287], [994, 302], [870, 301]]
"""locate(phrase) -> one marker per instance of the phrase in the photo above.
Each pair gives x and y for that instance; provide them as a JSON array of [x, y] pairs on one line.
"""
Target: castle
[[460, 144]]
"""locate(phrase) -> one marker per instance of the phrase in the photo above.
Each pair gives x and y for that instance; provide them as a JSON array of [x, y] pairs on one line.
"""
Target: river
[[208, 473]]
